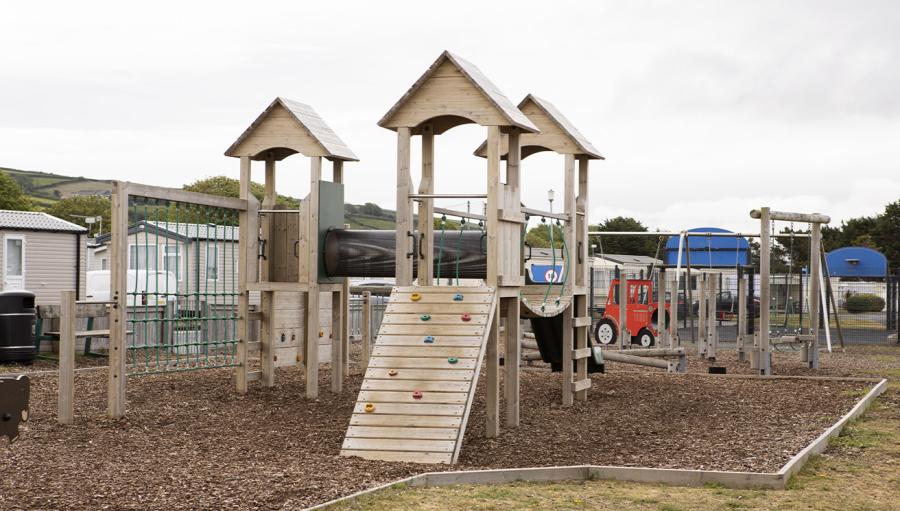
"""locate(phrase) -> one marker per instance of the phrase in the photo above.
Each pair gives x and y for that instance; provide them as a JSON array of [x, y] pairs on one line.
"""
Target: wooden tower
[[559, 135], [285, 128]]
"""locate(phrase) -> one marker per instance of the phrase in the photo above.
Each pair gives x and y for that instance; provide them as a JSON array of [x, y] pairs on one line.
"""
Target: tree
[[11, 194], [539, 236], [224, 186], [887, 233], [632, 245], [74, 209]]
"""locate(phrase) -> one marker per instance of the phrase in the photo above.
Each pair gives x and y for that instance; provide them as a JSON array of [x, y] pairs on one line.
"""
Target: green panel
[[331, 216]]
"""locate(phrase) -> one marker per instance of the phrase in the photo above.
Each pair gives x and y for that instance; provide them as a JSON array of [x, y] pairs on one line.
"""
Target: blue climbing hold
[[429, 339], [458, 297]]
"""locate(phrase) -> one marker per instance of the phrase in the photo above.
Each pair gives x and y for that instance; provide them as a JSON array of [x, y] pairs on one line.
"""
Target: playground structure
[[708, 280], [420, 380], [428, 349]]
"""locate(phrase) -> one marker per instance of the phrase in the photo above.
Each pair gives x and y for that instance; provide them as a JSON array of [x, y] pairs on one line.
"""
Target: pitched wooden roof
[[457, 92], [287, 127], [557, 132]]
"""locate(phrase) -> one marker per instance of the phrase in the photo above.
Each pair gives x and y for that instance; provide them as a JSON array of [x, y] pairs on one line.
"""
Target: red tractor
[[643, 316]]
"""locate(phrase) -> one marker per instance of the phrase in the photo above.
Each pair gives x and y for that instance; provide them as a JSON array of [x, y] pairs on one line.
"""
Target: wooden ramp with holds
[[420, 383]]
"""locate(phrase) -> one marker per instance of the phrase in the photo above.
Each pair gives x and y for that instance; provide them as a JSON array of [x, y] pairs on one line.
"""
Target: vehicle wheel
[[605, 332], [645, 338]]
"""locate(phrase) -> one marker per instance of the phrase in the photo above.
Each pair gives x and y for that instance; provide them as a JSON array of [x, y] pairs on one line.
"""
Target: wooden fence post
[[366, 328], [118, 314], [66, 356]]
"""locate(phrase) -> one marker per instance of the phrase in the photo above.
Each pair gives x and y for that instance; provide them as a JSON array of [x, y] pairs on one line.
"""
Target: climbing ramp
[[418, 389]]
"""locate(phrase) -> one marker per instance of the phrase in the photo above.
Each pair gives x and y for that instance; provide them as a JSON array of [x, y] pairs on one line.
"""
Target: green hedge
[[864, 303]]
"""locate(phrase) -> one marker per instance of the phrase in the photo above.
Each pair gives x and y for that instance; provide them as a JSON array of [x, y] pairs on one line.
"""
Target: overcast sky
[[704, 110]]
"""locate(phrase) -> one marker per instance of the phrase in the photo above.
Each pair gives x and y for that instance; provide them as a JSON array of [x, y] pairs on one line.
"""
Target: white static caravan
[[42, 254]]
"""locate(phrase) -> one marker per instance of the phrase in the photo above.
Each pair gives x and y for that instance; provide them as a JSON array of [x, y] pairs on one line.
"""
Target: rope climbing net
[[182, 286]]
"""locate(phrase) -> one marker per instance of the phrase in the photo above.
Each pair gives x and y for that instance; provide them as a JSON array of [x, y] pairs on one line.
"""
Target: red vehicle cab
[[642, 319]]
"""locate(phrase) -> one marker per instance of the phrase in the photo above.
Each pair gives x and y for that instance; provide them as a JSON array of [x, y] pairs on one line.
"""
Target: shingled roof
[[36, 221], [331, 145], [548, 138], [503, 105]]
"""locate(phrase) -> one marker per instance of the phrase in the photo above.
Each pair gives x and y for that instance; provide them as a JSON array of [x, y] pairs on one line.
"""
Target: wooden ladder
[[418, 389]]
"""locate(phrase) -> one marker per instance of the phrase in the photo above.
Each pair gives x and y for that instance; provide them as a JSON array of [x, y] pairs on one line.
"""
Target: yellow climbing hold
[[415, 297], [370, 407]]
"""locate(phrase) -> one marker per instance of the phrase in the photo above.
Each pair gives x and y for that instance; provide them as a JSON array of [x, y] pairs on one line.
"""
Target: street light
[[550, 195]]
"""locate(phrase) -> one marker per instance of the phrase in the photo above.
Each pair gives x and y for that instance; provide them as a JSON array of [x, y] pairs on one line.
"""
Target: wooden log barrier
[[615, 356]]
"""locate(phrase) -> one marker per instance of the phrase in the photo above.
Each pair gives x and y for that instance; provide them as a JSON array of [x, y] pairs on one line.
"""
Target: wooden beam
[[312, 295], [624, 334], [243, 323], [403, 221], [511, 360], [179, 195], [492, 393], [426, 211], [763, 356], [742, 318], [337, 171], [337, 343], [118, 316], [815, 271], [785, 216], [66, 402], [366, 330]]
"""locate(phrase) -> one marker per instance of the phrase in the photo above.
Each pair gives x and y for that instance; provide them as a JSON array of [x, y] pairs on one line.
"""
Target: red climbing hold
[[466, 317], [417, 394]]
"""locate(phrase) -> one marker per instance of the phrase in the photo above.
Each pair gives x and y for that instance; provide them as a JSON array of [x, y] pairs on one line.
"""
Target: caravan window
[[212, 262], [142, 257], [172, 260]]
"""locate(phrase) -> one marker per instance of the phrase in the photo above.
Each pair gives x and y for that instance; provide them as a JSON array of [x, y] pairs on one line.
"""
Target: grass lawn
[[859, 471]]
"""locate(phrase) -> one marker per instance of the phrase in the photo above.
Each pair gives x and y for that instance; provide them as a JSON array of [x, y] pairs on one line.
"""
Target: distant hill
[[45, 188]]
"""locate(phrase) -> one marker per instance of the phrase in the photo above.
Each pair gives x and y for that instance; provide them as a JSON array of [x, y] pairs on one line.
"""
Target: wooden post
[[118, 315], [815, 270], [701, 314], [510, 306], [267, 299], [244, 257], [582, 333], [403, 221], [711, 323], [664, 337], [426, 211], [66, 356], [512, 359], [624, 334], [764, 361], [673, 313], [568, 333], [337, 342], [312, 294], [742, 316], [366, 328], [492, 393]]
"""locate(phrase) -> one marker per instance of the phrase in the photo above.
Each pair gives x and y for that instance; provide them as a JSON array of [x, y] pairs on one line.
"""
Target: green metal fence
[[182, 286]]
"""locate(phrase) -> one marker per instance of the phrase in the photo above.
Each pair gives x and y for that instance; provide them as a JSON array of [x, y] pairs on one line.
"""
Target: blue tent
[[715, 251], [856, 262]]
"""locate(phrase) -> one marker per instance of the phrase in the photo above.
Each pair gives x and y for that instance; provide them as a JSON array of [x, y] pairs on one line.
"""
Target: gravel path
[[189, 442]]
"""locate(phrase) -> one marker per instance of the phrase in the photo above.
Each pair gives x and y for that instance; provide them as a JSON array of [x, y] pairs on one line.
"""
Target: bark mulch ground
[[190, 442]]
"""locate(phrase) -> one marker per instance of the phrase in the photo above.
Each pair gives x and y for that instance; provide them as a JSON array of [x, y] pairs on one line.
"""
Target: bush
[[864, 303]]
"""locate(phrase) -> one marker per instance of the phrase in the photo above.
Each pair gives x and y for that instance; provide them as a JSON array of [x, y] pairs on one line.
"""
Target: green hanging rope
[[565, 248]]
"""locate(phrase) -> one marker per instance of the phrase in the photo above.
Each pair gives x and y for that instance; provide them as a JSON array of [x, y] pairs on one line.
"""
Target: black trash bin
[[17, 317]]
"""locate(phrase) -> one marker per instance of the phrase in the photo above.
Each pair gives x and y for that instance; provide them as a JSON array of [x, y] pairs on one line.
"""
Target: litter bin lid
[[18, 293]]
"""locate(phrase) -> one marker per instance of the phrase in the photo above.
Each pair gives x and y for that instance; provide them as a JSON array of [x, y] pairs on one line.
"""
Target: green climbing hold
[[452, 360], [425, 317]]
